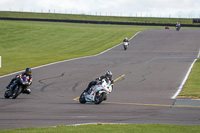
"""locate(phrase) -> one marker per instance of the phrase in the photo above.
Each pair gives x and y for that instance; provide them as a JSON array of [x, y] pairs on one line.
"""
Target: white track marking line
[[69, 59], [186, 77]]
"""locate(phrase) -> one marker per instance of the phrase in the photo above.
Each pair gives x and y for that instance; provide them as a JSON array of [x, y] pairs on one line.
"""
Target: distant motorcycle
[[16, 88], [178, 28], [97, 93], [125, 45]]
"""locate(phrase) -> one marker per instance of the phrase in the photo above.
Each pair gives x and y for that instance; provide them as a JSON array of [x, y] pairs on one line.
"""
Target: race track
[[154, 66]]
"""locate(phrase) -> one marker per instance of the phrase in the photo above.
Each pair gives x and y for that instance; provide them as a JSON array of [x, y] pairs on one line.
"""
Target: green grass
[[192, 85], [95, 18], [29, 44], [110, 128]]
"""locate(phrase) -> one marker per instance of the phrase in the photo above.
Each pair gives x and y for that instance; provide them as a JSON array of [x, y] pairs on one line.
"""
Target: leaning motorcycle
[[16, 88], [125, 45], [97, 93]]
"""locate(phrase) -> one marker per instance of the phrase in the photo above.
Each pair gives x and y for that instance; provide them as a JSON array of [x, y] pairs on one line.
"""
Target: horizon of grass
[[11, 14]]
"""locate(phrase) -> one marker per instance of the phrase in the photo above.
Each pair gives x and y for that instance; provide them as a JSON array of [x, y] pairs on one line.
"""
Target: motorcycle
[[125, 45], [16, 88], [97, 93], [178, 28]]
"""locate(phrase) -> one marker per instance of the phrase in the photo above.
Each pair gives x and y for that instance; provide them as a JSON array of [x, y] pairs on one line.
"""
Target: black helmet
[[28, 71], [108, 74]]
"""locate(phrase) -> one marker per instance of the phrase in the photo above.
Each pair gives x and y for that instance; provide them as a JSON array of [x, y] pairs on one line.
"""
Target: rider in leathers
[[26, 74], [108, 75], [178, 24], [126, 40]]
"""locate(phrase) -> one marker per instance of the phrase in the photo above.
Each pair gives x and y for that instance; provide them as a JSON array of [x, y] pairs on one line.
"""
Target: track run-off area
[[147, 75]]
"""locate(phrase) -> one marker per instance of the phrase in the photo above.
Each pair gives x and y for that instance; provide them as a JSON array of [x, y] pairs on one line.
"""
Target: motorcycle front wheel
[[82, 98], [6, 94], [99, 98], [125, 47]]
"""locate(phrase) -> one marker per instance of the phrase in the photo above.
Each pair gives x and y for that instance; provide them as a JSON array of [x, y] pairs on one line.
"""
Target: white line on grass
[[186, 77]]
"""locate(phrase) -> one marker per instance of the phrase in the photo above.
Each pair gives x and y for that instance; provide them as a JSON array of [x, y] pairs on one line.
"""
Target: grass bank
[[94, 18], [29, 44], [110, 128]]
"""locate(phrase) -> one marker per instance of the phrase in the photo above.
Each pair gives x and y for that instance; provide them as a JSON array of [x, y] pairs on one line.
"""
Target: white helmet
[[108, 74]]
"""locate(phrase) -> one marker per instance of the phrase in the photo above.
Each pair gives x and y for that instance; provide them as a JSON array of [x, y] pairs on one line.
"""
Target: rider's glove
[[27, 84], [97, 79]]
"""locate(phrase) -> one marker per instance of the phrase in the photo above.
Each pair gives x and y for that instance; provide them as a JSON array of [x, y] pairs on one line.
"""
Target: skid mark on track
[[74, 87], [46, 85]]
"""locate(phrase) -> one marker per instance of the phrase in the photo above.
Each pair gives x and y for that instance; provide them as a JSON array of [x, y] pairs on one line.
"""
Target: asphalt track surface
[[153, 67]]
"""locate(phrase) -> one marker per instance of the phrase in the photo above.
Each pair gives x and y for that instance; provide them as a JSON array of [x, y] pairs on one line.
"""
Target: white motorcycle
[[97, 93], [178, 27], [125, 45]]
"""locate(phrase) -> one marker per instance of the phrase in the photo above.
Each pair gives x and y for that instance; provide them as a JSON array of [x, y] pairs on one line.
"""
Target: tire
[[98, 99], [6, 94], [16, 92], [82, 98], [125, 47]]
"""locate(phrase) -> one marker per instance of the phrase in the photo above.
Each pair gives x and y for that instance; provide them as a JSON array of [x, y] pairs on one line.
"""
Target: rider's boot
[[26, 91]]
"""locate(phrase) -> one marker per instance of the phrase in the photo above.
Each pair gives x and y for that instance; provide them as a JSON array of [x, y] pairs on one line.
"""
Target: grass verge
[[192, 85], [110, 128], [29, 44]]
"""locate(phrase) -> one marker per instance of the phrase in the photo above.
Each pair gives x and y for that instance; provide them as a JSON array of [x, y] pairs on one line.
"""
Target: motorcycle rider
[[126, 40], [178, 24], [26, 74], [108, 75]]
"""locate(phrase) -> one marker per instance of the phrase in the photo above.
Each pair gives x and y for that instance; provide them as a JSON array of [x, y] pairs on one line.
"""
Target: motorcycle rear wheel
[[98, 99]]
